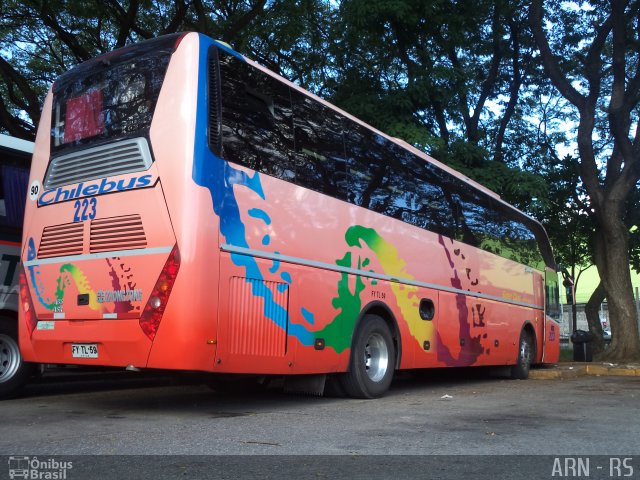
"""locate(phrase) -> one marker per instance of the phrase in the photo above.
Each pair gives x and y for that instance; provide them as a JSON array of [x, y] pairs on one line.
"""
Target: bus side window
[[404, 186], [319, 146], [521, 242], [467, 217], [552, 294], [369, 170], [256, 119], [435, 211], [485, 223], [13, 191]]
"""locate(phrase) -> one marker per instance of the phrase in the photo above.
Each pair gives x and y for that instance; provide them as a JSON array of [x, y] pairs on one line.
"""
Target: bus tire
[[372, 360], [14, 372], [520, 370]]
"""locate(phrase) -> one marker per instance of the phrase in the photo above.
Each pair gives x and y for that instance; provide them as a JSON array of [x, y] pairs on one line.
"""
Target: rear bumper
[[120, 342]]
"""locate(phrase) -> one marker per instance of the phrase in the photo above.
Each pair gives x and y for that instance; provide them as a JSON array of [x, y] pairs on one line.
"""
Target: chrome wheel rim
[[9, 358], [376, 357], [525, 353]]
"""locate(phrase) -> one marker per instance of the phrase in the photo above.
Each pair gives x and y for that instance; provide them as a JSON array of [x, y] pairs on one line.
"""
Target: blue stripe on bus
[[219, 177], [223, 46]]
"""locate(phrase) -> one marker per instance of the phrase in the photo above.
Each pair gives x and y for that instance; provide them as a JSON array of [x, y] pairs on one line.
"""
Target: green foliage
[[447, 78], [591, 54], [566, 216], [40, 39], [462, 81], [434, 73]]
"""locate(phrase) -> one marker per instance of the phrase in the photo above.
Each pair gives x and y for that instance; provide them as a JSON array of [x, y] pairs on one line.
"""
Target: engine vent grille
[[127, 156], [255, 329], [61, 240], [117, 233]]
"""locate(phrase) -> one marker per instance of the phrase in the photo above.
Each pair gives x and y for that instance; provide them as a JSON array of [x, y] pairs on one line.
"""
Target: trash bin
[[581, 340]]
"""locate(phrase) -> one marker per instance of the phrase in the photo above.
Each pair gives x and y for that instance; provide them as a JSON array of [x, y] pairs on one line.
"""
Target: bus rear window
[[84, 117], [110, 97]]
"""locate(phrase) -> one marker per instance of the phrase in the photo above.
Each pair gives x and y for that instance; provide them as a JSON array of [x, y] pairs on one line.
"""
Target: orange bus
[[191, 210]]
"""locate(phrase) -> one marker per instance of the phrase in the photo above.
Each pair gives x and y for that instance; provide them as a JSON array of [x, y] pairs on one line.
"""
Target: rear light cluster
[[26, 304], [152, 314]]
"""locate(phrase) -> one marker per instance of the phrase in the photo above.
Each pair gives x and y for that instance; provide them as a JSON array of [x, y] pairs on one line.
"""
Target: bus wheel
[[372, 360], [521, 369], [14, 373]]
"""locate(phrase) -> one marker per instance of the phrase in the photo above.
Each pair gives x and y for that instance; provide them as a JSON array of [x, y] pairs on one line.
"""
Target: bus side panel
[[9, 265], [265, 220], [186, 338], [474, 331], [39, 163], [275, 219], [418, 335], [330, 236], [253, 321], [551, 342], [316, 299], [272, 325]]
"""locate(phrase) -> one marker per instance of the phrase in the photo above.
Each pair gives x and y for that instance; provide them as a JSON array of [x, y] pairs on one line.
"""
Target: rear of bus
[[110, 222]]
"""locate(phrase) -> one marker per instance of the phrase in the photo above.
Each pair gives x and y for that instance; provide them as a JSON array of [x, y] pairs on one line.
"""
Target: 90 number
[[34, 190]]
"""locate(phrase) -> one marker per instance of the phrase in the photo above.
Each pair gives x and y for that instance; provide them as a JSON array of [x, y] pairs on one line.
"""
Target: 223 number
[[85, 209]]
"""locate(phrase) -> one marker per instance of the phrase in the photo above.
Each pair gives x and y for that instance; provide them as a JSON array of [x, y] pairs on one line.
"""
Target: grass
[[566, 353]]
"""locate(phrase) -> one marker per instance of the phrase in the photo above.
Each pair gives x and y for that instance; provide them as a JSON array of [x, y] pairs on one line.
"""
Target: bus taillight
[[27, 305], [152, 314]]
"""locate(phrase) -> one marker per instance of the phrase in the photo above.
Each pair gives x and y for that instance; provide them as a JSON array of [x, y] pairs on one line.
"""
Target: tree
[[447, 77], [461, 80], [567, 220], [41, 39], [571, 231], [591, 53]]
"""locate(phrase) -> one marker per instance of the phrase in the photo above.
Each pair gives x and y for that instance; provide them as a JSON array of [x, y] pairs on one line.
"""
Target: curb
[[573, 370]]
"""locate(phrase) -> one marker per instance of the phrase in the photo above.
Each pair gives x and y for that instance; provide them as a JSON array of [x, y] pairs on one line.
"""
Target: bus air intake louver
[[117, 233], [215, 103], [61, 240], [118, 158]]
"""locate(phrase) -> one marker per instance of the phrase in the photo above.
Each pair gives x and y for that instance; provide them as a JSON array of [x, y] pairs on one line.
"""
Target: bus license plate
[[84, 350]]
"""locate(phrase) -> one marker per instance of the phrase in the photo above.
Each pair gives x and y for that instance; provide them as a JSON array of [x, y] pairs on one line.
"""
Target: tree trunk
[[591, 310], [605, 67], [612, 260]]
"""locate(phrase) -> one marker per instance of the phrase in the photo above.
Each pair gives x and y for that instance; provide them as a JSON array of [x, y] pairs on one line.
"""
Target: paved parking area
[[433, 413]]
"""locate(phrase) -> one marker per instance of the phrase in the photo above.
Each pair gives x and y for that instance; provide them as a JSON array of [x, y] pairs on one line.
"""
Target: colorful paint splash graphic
[[220, 178], [394, 266], [337, 334], [68, 273], [121, 279], [472, 349]]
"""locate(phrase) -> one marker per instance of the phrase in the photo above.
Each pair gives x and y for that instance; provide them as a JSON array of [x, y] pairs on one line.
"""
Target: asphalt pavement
[[154, 421]]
